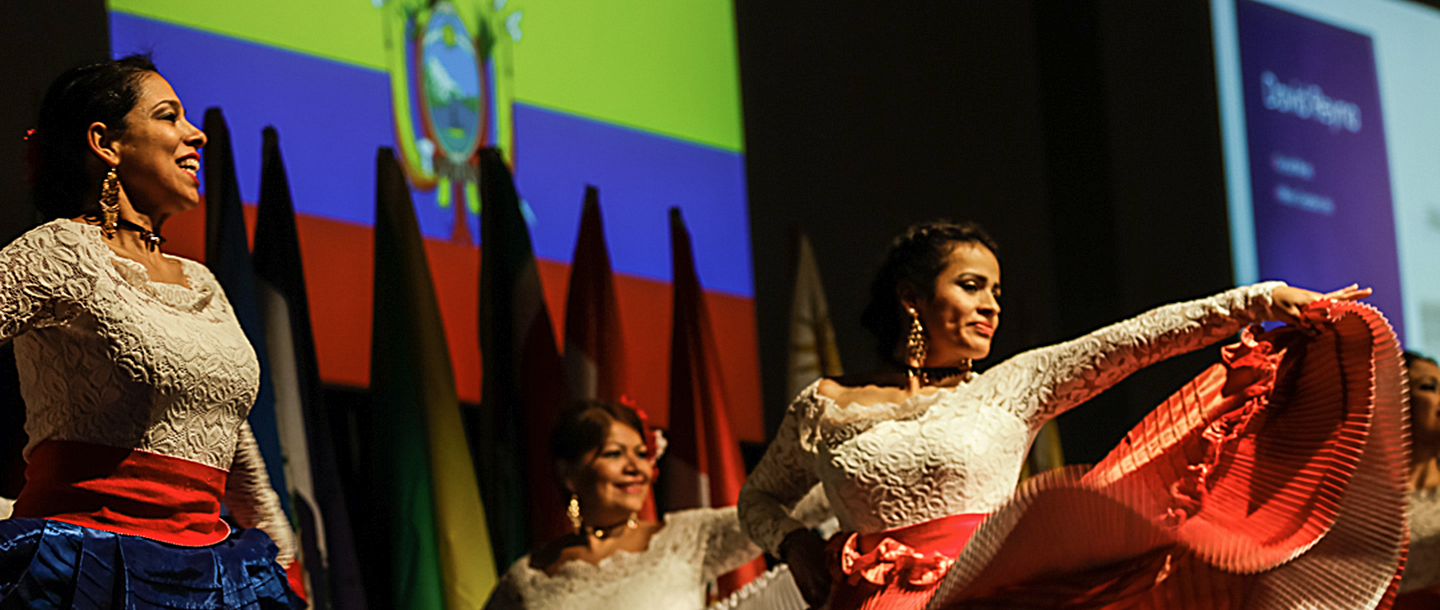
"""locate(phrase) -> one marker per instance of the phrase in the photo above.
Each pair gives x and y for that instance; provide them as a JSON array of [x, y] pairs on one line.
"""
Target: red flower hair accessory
[[654, 438]]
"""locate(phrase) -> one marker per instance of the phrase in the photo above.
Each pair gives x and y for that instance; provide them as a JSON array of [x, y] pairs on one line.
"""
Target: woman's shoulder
[[57, 235], [515, 585], [58, 253], [808, 402]]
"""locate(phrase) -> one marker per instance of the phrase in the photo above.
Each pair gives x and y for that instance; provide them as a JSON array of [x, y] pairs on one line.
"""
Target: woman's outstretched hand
[[1287, 301], [804, 551]]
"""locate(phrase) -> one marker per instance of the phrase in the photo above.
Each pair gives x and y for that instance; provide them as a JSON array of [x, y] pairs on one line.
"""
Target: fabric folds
[[897, 569], [1256, 485], [50, 564], [126, 491]]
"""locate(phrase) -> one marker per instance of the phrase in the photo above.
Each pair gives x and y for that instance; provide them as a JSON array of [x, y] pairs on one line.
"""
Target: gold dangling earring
[[573, 512], [631, 523], [109, 203], [915, 348]]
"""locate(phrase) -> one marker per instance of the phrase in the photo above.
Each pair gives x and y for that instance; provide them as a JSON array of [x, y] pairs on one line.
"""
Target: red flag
[[705, 468], [594, 343], [594, 339]]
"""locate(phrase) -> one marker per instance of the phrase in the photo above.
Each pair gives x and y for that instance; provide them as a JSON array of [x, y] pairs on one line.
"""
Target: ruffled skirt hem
[[49, 564], [1276, 479]]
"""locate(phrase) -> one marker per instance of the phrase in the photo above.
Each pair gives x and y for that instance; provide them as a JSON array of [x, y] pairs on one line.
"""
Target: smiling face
[[1425, 404], [614, 480], [159, 152], [963, 314]]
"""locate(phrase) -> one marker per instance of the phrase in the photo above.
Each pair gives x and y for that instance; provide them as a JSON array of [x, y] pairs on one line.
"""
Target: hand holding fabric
[[1287, 301]]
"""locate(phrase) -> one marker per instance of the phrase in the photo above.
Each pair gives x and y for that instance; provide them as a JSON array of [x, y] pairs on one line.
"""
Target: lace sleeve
[[1045, 382], [726, 547], [782, 477], [41, 272], [251, 499], [813, 509]]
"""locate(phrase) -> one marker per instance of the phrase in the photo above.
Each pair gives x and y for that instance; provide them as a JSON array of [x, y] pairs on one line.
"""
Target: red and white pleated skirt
[[1275, 479]]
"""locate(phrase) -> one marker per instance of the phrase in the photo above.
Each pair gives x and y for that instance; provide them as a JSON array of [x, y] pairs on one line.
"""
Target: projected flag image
[[640, 99], [444, 95]]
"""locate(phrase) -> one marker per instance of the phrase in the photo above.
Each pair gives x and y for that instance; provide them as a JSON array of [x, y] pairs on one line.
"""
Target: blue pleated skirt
[[50, 564]]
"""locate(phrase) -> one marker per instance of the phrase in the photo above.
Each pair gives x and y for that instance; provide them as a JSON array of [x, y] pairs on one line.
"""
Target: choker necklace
[[602, 532], [152, 239], [935, 374]]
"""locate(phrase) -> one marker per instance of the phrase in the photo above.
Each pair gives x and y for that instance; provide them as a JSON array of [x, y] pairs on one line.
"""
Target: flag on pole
[[704, 468], [304, 421], [594, 340], [813, 352], [227, 254], [523, 389], [440, 545]]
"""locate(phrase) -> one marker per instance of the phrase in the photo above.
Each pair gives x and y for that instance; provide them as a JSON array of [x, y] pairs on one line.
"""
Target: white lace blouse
[[108, 356], [694, 547], [959, 450]]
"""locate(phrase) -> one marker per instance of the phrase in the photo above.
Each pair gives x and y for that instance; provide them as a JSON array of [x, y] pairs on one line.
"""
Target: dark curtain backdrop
[[38, 41], [861, 120], [1083, 133]]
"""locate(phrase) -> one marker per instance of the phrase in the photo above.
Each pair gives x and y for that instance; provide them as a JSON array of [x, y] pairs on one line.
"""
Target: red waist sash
[[898, 568], [126, 491]]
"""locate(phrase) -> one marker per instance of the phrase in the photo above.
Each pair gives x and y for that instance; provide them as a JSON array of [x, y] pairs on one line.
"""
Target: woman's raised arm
[[1045, 382]]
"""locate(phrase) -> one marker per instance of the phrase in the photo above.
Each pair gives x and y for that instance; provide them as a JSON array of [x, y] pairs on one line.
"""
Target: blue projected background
[[1330, 124]]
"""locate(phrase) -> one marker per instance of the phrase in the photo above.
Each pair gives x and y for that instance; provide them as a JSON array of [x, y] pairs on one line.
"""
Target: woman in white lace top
[[612, 559], [136, 376], [913, 456], [1421, 586]]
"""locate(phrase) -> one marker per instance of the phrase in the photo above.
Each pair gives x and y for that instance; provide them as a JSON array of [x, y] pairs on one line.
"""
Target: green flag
[[441, 549]]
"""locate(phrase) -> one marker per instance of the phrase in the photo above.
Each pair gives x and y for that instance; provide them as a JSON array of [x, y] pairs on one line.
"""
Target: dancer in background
[[606, 464], [1424, 378], [1421, 585], [136, 376], [915, 455]]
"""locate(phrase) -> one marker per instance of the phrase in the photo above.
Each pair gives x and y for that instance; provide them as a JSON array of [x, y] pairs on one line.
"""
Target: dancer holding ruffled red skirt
[[1244, 489]]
